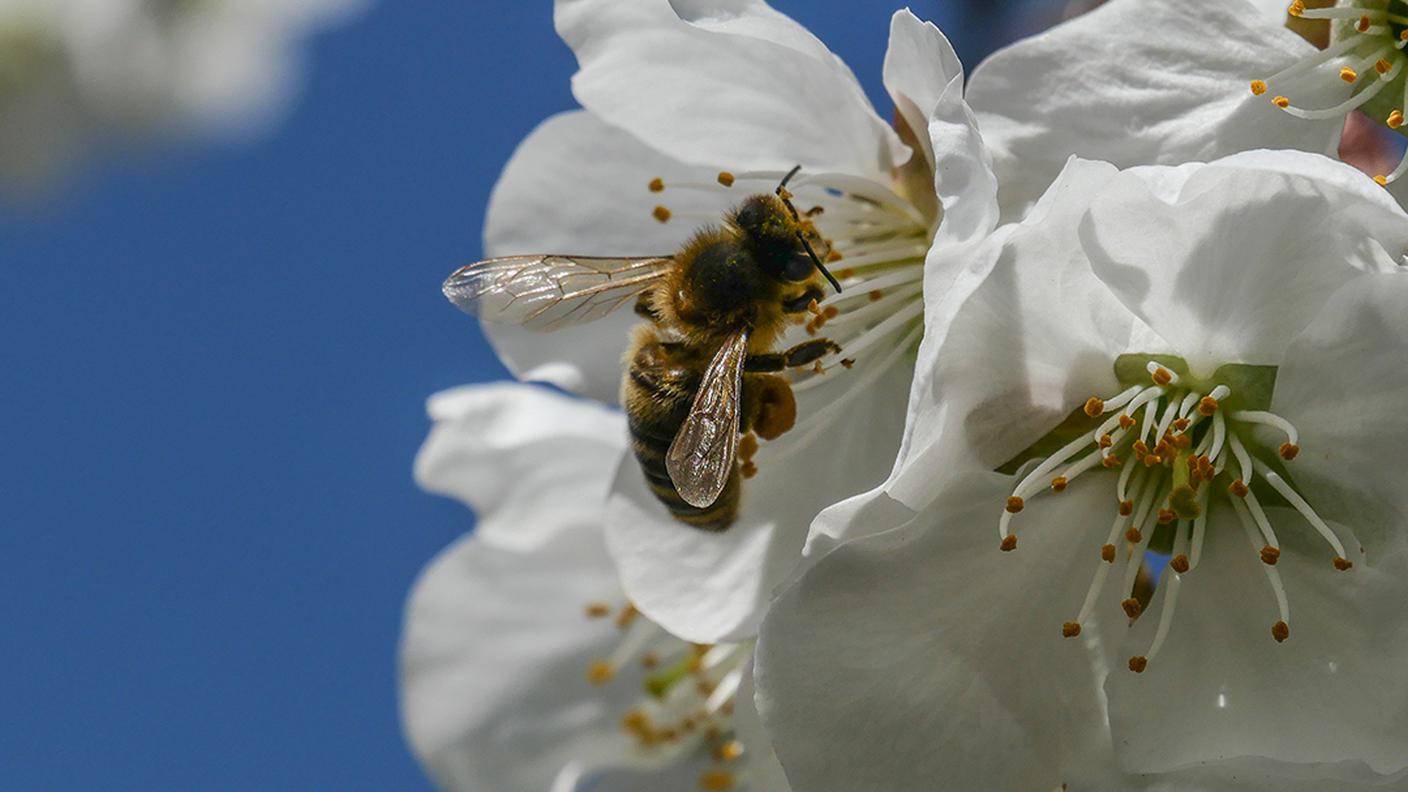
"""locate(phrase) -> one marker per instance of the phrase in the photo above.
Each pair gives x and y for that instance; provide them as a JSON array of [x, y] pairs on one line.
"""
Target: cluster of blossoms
[[1102, 492], [77, 75]]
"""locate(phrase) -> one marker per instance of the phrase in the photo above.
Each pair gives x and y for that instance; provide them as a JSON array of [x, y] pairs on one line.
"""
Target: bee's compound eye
[[799, 268]]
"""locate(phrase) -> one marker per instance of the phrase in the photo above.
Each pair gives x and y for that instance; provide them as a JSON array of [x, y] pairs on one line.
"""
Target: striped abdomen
[[658, 391]]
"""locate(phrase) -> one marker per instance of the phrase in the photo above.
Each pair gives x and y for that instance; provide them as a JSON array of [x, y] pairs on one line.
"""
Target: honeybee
[[701, 372]]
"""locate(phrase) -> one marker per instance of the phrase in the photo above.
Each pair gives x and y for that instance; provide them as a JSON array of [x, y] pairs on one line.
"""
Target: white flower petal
[[761, 100], [1134, 83], [925, 79], [707, 587], [1344, 386], [1222, 688], [578, 186], [926, 653], [765, 774], [494, 693], [1167, 257], [500, 448]]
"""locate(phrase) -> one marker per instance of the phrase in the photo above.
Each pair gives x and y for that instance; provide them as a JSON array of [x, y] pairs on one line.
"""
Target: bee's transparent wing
[[549, 292], [700, 459]]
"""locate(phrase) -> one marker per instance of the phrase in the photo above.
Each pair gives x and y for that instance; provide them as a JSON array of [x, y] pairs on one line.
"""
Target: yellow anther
[[1059, 483], [1070, 629], [1138, 663], [1161, 376], [1403, 36], [1362, 26], [1238, 488], [1296, 8], [1270, 555], [1382, 66], [1348, 75], [598, 610], [600, 672], [1381, 180], [660, 213], [1094, 406], [1015, 504], [1343, 564], [1106, 441], [1126, 421], [1180, 424], [1167, 516], [1140, 448], [1288, 451], [1207, 406], [1152, 459], [1258, 87], [1280, 631], [1132, 608], [726, 178], [716, 781], [1133, 535], [1111, 462], [875, 295], [657, 184], [627, 615], [834, 256], [1009, 543], [729, 751], [1126, 508], [1178, 563], [1281, 102], [1107, 553]]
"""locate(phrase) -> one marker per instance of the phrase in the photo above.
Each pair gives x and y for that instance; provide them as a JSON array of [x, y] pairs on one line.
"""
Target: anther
[[1362, 26], [876, 295], [1381, 180], [1343, 564], [600, 672], [1107, 553], [716, 781], [1059, 483], [627, 615], [1280, 631], [1126, 421], [1258, 87], [1152, 460], [1238, 488], [1382, 66], [1140, 448], [1138, 663], [1015, 504], [1132, 608], [1133, 535], [1281, 102], [1111, 462], [1178, 563], [1126, 508], [847, 362], [1207, 405], [726, 178], [661, 213], [728, 752], [1070, 629], [834, 256], [1288, 451], [598, 610], [1161, 376], [1106, 441], [1296, 8], [657, 184], [1094, 406], [1167, 516], [1180, 424], [1009, 543], [1270, 555], [748, 469]]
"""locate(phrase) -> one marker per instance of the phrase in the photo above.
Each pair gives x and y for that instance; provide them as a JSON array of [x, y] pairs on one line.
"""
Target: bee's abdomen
[[657, 398]]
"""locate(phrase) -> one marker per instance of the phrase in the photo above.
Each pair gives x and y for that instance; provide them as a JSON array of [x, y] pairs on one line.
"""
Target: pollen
[[716, 781], [1180, 424], [657, 184], [1107, 553], [834, 256], [1167, 516], [627, 616], [600, 672], [1161, 376], [1280, 631], [1207, 406], [726, 178], [747, 446], [1381, 180], [1126, 421], [1106, 441], [1270, 555], [1126, 508], [1296, 8], [660, 213], [1362, 26], [1238, 488], [1138, 663], [1015, 504], [1009, 543], [1258, 87], [748, 469], [876, 295], [1070, 629], [1281, 102], [1382, 66], [1343, 564], [1288, 451], [1140, 448], [729, 751], [1132, 608], [1152, 460], [1178, 563], [831, 311], [1348, 75], [1059, 483], [1094, 406], [1111, 462], [598, 610], [1133, 535]]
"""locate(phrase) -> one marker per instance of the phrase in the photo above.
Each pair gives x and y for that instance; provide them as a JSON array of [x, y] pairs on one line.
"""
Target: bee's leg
[[799, 355], [801, 304], [767, 406]]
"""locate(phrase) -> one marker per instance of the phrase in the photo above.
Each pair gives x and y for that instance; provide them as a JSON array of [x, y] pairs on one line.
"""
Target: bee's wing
[[700, 459], [549, 292]]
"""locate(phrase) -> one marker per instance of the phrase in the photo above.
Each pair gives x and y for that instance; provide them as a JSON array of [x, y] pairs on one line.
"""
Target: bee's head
[[773, 236]]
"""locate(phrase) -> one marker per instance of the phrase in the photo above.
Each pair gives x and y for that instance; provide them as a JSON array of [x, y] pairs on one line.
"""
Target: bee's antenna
[[788, 178], [817, 261]]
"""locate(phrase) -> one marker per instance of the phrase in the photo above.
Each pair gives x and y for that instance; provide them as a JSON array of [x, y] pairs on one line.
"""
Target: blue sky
[[215, 369]]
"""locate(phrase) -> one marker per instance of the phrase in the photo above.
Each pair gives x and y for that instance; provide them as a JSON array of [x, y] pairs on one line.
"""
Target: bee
[[701, 377]]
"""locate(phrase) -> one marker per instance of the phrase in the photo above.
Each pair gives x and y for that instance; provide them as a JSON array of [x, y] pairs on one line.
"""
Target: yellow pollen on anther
[[1167, 516], [1238, 488], [660, 213], [1343, 564], [1094, 406], [657, 184], [1015, 504], [1059, 483], [1348, 75], [1126, 508], [598, 610], [1288, 451], [1152, 460], [1179, 563], [1381, 180], [1111, 462], [1106, 441], [726, 178], [1180, 424], [1009, 543], [1133, 535], [1207, 406], [1382, 66], [1126, 421], [1132, 608], [600, 672], [1107, 553], [1258, 87], [1161, 376], [1140, 449], [716, 781], [1362, 26], [1280, 631], [1270, 555], [627, 616], [1138, 663], [1281, 102], [1070, 629], [729, 751], [875, 295]]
